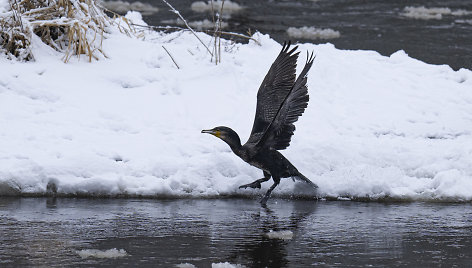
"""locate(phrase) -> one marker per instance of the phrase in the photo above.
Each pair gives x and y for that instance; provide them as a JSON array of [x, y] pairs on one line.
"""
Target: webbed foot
[[253, 185]]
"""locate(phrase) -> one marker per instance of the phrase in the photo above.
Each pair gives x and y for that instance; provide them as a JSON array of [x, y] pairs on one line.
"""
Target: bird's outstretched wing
[[278, 133], [273, 91]]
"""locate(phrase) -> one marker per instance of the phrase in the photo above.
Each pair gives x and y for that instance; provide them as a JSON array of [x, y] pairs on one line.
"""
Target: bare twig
[[171, 57], [219, 27], [186, 24], [235, 34], [212, 12], [216, 29], [160, 27], [16, 13], [206, 31]]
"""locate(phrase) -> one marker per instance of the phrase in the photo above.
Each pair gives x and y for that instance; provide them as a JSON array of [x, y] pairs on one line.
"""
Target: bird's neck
[[233, 140], [234, 143], [235, 146]]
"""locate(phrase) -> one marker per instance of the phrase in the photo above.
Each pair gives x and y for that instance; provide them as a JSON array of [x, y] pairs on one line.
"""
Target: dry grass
[[74, 27], [78, 27], [15, 39]]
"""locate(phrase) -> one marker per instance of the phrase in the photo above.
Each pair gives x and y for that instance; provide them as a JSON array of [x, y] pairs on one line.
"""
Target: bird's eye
[[218, 133]]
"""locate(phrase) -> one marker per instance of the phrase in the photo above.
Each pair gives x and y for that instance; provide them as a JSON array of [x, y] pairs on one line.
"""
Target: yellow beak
[[212, 132]]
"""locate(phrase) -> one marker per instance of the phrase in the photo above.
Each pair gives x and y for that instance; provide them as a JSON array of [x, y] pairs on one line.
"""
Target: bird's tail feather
[[302, 177]]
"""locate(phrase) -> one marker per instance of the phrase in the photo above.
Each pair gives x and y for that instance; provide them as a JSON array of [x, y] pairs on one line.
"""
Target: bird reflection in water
[[267, 252]]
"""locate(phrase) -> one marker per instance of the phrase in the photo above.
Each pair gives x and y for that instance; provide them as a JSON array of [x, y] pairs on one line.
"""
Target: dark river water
[[363, 24], [46, 232]]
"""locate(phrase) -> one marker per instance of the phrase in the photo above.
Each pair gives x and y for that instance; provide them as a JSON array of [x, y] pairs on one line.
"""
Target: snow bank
[[312, 33], [122, 7], [436, 13], [229, 7], [376, 127], [3, 5], [102, 254]]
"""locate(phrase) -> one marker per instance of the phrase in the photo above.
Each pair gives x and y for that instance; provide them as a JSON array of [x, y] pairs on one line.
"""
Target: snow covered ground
[[376, 127]]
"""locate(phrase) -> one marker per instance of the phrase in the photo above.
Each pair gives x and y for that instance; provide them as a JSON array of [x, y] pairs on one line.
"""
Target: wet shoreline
[[254, 197]]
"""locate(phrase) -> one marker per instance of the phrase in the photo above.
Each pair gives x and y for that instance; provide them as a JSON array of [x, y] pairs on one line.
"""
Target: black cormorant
[[281, 99]]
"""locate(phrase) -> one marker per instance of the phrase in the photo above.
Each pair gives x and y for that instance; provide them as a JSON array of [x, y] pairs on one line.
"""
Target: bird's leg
[[267, 195], [257, 183]]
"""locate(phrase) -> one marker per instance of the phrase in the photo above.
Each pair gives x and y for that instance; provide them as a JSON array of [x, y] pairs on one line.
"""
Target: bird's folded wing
[[273, 91], [281, 129]]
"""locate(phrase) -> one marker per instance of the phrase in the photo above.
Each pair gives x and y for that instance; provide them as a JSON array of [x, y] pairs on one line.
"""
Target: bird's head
[[226, 134]]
